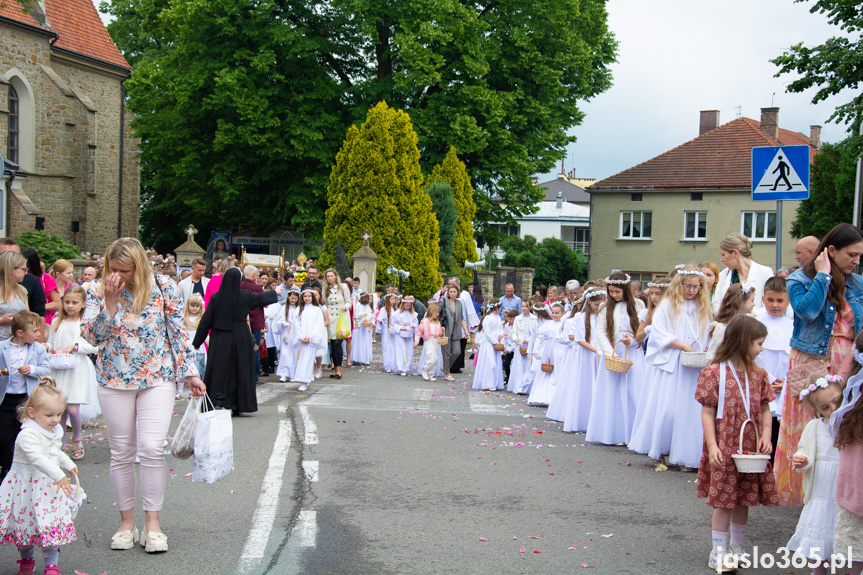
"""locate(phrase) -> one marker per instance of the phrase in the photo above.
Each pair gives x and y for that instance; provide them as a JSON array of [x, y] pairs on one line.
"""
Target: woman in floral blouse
[[136, 320]]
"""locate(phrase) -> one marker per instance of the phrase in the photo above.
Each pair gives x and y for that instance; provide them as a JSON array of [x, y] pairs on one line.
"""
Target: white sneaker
[[283, 379], [449, 378], [402, 374], [303, 386], [432, 379], [722, 562], [425, 375]]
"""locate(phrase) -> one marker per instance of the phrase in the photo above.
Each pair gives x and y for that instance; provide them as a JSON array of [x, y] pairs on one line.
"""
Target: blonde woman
[[337, 298], [136, 320], [735, 252], [13, 297]]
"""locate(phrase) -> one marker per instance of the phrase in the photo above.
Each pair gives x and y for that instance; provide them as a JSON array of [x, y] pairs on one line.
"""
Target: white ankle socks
[[720, 541], [737, 533]]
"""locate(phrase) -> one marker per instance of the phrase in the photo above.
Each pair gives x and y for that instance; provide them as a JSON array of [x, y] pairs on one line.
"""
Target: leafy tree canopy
[[834, 65], [553, 260], [831, 195], [241, 105]]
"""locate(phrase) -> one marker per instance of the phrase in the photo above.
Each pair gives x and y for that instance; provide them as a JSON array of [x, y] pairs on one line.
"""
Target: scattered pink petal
[[534, 537], [483, 539], [585, 565], [514, 538], [521, 550], [94, 476], [535, 551]]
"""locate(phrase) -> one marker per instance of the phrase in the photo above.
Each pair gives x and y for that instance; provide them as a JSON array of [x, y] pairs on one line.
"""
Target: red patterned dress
[[724, 487]]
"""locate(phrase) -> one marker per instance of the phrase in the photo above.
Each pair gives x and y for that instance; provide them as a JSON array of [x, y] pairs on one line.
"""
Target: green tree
[[831, 194], [519, 252], [833, 66], [557, 263], [453, 171], [49, 247], [443, 207], [377, 185], [240, 105]]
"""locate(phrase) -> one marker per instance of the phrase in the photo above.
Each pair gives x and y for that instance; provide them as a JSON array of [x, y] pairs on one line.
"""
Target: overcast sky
[[678, 57]]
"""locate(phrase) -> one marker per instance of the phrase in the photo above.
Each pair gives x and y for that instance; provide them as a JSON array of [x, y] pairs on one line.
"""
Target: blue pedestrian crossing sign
[[780, 173]]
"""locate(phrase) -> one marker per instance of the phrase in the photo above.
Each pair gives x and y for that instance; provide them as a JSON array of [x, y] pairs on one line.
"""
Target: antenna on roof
[[739, 111], [771, 99]]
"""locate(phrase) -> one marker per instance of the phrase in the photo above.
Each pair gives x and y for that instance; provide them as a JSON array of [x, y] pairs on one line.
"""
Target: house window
[[695, 226], [13, 140], [696, 196], [758, 225], [582, 240], [642, 277], [635, 225], [635, 198], [505, 229]]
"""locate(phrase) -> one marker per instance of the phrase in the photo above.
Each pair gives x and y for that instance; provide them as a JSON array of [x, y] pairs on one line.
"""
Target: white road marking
[[268, 500], [479, 402], [311, 435], [311, 470], [305, 532]]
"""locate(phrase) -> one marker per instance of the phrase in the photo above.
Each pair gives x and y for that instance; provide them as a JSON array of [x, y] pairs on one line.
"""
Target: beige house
[[64, 128], [677, 207]]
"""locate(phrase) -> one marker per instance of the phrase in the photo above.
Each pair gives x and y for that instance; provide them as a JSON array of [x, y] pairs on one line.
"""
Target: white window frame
[[754, 224], [695, 213], [632, 214]]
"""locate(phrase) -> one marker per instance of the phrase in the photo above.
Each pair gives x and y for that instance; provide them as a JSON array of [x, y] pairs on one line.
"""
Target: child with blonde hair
[[37, 502], [77, 383], [192, 313], [428, 331]]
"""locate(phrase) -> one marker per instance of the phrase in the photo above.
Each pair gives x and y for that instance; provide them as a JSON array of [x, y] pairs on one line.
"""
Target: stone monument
[[189, 251], [366, 265]]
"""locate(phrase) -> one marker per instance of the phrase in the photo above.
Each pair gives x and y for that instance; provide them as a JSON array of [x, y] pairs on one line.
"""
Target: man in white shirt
[[196, 282]]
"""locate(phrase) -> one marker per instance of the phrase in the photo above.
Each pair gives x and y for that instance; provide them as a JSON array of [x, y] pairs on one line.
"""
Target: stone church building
[[71, 160]]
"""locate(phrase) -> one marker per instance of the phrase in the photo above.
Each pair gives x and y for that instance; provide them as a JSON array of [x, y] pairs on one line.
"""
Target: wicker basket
[[695, 359], [368, 324], [618, 364], [63, 360], [498, 347], [754, 463], [522, 350], [443, 340], [547, 367]]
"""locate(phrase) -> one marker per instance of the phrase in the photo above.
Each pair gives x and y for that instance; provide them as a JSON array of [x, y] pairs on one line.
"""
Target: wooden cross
[[190, 232]]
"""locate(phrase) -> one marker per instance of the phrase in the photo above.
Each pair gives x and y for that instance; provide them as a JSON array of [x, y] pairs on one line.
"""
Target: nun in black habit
[[230, 372]]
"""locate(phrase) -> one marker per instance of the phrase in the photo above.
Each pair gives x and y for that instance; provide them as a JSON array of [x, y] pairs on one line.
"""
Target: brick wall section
[[77, 163]]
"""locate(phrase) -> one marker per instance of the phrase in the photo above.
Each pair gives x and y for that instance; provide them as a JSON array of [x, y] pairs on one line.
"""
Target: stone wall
[[75, 173], [521, 278]]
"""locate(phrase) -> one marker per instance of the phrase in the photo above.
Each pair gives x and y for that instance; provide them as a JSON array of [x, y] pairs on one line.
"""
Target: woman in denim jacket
[[827, 299]]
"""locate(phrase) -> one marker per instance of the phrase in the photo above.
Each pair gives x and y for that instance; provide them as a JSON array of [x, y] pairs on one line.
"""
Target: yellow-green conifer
[[376, 184], [454, 172]]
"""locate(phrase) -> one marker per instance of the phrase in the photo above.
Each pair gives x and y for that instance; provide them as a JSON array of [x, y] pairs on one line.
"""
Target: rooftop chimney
[[559, 200], [709, 121], [815, 137], [770, 122]]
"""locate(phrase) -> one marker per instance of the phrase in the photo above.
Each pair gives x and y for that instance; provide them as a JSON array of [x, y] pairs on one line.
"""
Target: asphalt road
[[382, 474]]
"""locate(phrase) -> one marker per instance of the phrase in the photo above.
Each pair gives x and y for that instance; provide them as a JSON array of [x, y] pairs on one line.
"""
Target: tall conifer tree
[[453, 172]]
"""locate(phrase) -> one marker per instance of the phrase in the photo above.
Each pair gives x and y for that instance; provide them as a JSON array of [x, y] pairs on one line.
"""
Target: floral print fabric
[[139, 351]]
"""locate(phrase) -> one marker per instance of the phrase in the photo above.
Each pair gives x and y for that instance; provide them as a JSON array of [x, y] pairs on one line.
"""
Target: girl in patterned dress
[[37, 502], [732, 391]]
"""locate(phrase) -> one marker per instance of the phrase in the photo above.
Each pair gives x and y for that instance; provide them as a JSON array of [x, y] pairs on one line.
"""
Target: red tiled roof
[[718, 159], [78, 26]]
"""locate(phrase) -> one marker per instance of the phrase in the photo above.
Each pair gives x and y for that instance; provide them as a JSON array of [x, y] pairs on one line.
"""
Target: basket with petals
[[695, 359], [63, 360], [750, 462]]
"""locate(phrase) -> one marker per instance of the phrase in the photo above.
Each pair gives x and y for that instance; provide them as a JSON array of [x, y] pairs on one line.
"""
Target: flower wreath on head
[[746, 287], [679, 267], [820, 383], [492, 305], [659, 285], [691, 273], [619, 282]]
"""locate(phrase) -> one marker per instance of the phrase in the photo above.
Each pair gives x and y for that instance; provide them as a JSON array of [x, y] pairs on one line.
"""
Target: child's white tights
[[50, 554], [73, 413]]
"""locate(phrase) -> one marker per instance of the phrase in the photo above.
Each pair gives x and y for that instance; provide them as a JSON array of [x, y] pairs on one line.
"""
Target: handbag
[[183, 444], [214, 444], [343, 326], [798, 377]]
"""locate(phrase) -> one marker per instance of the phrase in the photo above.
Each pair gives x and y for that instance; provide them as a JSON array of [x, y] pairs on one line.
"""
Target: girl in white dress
[[585, 363], [640, 443], [673, 426], [405, 325], [522, 330], [430, 348], [283, 327], [489, 366], [384, 328], [361, 351], [192, 312], [323, 352], [535, 347], [309, 336], [76, 384], [37, 502], [615, 395], [544, 352], [564, 355], [739, 299], [818, 459]]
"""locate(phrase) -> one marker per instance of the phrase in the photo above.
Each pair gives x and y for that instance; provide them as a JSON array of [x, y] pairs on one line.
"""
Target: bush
[[557, 263], [444, 208], [519, 252], [49, 247]]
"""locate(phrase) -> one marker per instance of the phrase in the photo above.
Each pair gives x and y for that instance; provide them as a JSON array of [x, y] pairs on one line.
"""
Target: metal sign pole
[[778, 235]]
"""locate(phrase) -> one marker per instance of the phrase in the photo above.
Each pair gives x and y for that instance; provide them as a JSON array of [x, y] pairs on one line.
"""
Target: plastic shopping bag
[[183, 444], [343, 325], [214, 445]]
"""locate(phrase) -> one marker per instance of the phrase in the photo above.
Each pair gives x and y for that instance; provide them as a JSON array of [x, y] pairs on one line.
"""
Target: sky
[[678, 57]]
